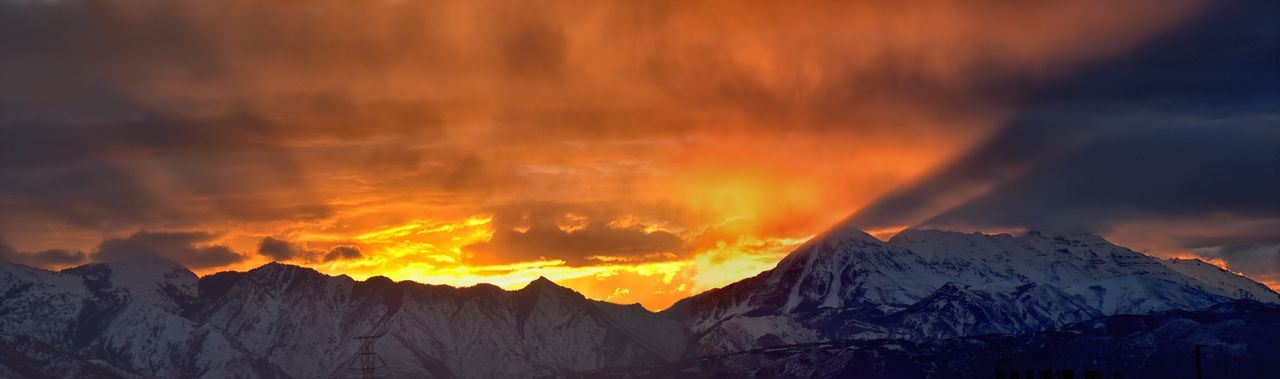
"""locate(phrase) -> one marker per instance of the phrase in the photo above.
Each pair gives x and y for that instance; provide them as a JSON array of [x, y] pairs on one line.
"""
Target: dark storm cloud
[[1012, 151], [574, 233], [343, 253], [42, 259], [1253, 232], [283, 250], [278, 249], [574, 246], [1260, 261], [169, 191], [1174, 147], [336, 117], [37, 143], [59, 257], [1229, 166], [190, 249], [1185, 126], [87, 194], [146, 169], [120, 116]]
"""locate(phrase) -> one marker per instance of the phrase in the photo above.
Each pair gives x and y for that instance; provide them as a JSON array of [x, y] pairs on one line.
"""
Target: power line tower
[[1242, 294], [1199, 375], [368, 360]]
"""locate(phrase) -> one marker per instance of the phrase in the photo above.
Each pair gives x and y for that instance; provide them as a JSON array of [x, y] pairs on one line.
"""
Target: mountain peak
[[274, 266], [379, 280], [843, 234], [848, 232], [544, 286], [146, 278], [141, 261], [140, 268], [543, 282]]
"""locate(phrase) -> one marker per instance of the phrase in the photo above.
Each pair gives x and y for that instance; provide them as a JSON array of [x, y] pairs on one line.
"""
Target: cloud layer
[[660, 146], [191, 249], [1180, 134]]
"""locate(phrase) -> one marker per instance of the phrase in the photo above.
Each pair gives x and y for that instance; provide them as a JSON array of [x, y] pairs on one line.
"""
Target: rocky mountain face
[[113, 320], [925, 285], [290, 315], [151, 318]]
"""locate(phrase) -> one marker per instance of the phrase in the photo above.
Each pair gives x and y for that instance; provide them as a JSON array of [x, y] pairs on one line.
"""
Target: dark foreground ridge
[[1238, 341]]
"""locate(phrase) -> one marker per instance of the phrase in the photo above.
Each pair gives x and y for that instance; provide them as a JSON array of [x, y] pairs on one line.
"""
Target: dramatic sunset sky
[[636, 151]]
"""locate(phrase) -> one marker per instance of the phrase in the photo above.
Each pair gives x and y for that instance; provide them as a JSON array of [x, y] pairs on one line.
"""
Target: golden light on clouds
[[634, 151]]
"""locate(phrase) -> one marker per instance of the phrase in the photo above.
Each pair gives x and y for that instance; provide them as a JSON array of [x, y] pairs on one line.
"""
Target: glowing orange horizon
[[641, 151]]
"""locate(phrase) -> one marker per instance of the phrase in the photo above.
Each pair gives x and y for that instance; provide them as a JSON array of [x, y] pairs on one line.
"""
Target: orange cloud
[[637, 151]]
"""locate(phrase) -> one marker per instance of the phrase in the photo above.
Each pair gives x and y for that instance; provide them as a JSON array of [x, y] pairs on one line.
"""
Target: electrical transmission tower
[[1245, 295], [368, 360]]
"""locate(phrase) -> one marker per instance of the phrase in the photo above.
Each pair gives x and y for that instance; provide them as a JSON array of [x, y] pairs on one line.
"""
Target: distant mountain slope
[[149, 317], [113, 317], [1223, 282], [1238, 338], [290, 315], [925, 284]]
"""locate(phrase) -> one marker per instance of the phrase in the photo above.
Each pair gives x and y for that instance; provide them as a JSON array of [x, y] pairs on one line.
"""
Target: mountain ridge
[[154, 318], [1237, 338], [279, 318], [845, 283]]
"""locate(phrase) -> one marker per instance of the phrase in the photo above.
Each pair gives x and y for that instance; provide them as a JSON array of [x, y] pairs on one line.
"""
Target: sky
[[633, 151]]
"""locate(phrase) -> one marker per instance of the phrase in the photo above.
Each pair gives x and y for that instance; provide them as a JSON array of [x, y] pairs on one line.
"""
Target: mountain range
[[922, 292], [1237, 340], [927, 284]]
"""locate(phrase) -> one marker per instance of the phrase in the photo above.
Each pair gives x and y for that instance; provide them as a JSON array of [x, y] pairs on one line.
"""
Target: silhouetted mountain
[[150, 317]]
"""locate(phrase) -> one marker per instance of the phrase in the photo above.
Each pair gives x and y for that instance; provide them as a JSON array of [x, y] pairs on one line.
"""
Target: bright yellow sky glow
[[635, 151]]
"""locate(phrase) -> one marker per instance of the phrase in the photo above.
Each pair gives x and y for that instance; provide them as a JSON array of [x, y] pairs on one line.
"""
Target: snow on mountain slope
[[292, 315], [41, 304], [152, 318], [847, 284], [288, 321], [998, 309], [117, 317], [1111, 278], [285, 314], [147, 279], [741, 333], [1223, 282], [842, 271]]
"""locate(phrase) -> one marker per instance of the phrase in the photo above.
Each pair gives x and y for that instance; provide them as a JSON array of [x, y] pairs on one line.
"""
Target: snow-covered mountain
[[926, 284], [149, 317], [113, 319], [291, 315], [1223, 282]]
